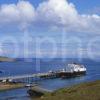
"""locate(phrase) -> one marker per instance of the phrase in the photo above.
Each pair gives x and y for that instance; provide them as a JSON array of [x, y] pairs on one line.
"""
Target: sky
[[81, 5], [66, 27]]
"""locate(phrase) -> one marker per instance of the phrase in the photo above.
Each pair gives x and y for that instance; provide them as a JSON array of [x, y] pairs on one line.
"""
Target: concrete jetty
[[38, 91], [72, 70]]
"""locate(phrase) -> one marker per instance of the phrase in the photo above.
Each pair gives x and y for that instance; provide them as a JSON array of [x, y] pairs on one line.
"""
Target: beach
[[9, 86]]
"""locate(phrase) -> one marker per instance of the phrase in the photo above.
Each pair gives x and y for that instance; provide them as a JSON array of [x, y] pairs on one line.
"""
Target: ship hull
[[69, 74]]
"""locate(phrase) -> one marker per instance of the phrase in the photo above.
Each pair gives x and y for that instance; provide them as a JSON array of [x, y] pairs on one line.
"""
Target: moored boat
[[73, 70]]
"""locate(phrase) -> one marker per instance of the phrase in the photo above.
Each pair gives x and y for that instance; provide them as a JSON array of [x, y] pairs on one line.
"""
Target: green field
[[84, 91]]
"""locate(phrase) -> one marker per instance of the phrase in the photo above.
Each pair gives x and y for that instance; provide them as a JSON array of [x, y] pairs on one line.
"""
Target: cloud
[[50, 14], [20, 14], [63, 15], [57, 11]]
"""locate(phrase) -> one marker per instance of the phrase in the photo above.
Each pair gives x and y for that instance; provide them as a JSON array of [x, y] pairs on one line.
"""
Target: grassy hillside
[[6, 59], [85, 91]]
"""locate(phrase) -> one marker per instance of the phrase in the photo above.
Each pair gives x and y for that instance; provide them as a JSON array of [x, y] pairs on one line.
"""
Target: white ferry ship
[[72, 70]]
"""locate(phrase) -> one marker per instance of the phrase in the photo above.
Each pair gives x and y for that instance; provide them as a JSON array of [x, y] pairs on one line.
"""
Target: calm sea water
[[31, 66]]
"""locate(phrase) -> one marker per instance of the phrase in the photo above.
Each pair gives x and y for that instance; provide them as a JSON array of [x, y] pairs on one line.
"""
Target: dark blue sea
[[30, 66]]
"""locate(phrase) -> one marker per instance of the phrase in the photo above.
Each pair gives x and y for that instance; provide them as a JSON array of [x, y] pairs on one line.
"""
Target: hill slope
[[84, 91]]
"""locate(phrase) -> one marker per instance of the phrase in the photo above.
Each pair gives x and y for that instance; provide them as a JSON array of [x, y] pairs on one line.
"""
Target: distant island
[[6, 59]]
